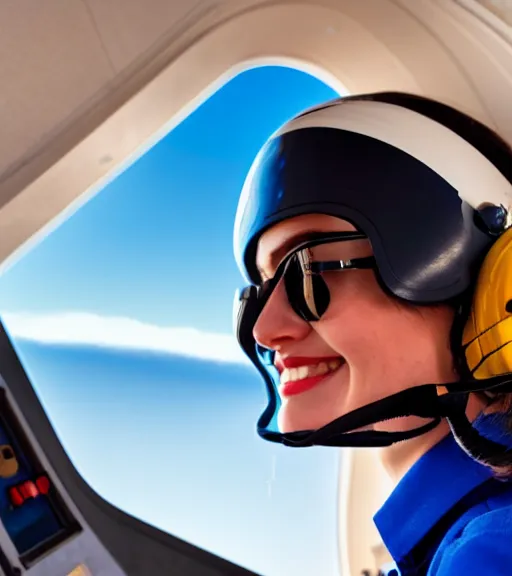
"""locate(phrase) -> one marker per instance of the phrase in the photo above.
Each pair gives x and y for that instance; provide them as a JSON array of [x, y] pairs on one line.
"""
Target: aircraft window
[[122, 319]]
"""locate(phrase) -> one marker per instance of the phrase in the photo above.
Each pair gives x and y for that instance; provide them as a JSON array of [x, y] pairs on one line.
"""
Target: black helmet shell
[[386, 168]]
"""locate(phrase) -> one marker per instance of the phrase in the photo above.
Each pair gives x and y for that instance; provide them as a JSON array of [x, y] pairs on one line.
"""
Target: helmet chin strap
[[429, 401], [421, 401]]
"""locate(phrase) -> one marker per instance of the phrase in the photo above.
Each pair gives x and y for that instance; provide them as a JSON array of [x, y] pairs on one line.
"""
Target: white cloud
[[123, 333]]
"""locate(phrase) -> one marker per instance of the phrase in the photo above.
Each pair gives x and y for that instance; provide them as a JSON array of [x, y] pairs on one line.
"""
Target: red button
[[28, 490], [43, 484], [15, 497]]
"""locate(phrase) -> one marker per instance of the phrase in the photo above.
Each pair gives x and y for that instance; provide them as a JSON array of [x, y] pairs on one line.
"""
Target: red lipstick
[[292, 388]]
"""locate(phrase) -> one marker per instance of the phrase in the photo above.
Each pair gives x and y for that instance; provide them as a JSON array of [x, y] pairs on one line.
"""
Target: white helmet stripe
[[475, 178]]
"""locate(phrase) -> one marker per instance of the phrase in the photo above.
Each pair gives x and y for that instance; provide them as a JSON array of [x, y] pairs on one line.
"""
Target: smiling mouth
[[295, 381]]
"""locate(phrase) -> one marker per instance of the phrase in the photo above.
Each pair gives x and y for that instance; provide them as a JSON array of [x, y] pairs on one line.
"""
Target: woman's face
[[366, 346]]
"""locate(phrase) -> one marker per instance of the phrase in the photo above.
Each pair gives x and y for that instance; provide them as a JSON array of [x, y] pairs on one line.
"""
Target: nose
[[278, 324]]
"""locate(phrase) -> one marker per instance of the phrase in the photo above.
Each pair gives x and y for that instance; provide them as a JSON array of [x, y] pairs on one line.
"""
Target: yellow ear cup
[[487, 336]]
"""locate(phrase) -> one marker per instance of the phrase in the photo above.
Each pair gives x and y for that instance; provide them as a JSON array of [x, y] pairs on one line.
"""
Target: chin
[[292, 419], [317, 407]]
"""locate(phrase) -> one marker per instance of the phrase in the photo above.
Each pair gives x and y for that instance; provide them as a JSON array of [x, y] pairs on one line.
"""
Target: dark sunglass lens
[[308, 294], [321, 294]]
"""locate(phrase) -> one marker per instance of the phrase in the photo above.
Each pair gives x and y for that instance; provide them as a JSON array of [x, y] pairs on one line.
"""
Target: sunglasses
[[306, 290]]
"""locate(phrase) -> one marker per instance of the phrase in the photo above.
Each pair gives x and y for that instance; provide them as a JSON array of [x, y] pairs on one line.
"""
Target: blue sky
[[122, 318], [151, 244]]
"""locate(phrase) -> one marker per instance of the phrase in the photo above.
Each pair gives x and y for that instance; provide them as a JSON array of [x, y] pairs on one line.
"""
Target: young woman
[[375, 233]]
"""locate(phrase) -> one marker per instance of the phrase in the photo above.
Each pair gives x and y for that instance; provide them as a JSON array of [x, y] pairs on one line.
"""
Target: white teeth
[[294, 374], [302, 372]]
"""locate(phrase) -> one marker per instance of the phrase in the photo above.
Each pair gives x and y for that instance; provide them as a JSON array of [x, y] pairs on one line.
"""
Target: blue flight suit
[[448, 516]]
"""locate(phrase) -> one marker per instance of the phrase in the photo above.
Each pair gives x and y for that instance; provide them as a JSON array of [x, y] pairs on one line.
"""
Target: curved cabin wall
[[363, 487], [88, 86]]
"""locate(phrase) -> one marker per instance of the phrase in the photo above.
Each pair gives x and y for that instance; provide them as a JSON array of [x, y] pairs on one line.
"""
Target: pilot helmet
[[430, 188]]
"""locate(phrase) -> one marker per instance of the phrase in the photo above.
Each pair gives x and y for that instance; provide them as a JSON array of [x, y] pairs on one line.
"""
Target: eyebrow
[[277, 255]]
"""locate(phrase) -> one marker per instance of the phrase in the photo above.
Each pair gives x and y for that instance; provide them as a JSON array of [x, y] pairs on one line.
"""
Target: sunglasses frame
[[314, 267], [250, 301]]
